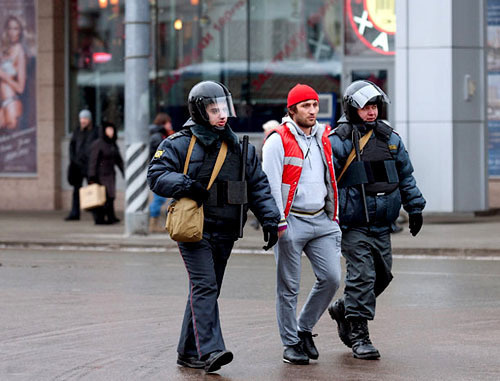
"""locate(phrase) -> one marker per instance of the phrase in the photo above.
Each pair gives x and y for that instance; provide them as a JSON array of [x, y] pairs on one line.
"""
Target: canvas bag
[[92, 196], [185, 217]]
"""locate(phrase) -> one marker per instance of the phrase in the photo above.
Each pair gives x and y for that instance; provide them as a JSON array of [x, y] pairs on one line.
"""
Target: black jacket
[[104, 155], [166, 178], [79, 152], [383, 210]]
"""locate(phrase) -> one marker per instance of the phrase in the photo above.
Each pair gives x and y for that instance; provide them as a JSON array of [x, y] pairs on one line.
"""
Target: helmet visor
[[221, 106], [362, 96]]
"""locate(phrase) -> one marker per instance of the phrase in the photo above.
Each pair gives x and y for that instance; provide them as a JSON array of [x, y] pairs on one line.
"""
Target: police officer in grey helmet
[[374, 175], [225, 205]]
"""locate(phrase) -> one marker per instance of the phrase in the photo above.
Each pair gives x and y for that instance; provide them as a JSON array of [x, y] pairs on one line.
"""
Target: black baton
[[244, 154], [355, 141]]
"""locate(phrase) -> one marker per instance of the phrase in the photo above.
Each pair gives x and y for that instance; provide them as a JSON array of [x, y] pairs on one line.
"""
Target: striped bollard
[[137, 191]]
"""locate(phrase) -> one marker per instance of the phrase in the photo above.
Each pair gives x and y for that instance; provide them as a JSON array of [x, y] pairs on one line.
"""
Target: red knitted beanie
[[301, 93]]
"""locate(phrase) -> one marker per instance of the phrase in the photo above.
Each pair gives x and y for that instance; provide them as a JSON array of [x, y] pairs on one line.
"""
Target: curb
[[128, 247]]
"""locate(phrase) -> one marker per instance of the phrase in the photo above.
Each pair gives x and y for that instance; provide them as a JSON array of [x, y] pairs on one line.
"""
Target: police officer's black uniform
[[371, 193], [201, 343]]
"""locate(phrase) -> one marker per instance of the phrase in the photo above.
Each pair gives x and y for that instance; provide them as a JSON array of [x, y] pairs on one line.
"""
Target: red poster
[[17, 88]]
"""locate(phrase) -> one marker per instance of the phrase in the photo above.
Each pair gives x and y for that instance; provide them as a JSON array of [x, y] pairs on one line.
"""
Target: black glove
[[270, 236], [415, 223], [198, 192]]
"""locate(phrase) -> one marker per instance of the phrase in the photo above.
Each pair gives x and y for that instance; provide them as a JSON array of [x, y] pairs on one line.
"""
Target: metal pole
[[137, 30]]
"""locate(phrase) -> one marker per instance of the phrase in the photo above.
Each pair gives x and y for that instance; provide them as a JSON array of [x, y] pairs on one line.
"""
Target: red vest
[[292, 165]]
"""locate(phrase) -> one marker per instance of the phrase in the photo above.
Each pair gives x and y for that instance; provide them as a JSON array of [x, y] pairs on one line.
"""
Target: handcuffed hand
[[415, 222], [198, 192], [270, 236]]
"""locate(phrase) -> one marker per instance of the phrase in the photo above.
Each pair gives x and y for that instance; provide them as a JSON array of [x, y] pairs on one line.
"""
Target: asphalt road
[[116, 316]]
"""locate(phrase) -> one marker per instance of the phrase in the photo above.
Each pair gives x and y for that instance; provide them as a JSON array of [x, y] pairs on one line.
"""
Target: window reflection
[[259, 49]]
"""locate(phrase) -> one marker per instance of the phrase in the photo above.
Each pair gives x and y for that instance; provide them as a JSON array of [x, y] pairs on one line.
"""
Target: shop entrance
[[382, 74]]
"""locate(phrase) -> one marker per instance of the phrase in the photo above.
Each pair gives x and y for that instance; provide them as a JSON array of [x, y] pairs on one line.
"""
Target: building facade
[[74, 52]]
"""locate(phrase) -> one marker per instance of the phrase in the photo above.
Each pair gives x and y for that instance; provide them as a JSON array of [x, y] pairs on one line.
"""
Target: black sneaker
[[337, 313], [217, 359], [190, 361], [308, 344], [294, 354]]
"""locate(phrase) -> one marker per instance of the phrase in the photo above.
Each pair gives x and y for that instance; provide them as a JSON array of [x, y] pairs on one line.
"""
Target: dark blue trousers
[[361, 248], [205, 263]]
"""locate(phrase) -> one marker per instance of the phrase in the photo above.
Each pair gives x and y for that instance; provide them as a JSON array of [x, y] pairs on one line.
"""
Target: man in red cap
[[297, 159]]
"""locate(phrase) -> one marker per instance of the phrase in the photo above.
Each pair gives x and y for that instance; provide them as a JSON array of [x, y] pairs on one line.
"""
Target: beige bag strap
[[190, 151], [218, 163], [362, 143]]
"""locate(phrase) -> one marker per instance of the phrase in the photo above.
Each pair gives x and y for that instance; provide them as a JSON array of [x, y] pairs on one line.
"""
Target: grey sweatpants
[[319, 238]]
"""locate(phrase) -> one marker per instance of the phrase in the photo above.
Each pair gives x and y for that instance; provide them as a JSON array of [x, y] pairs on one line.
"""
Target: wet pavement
[[116, 315]]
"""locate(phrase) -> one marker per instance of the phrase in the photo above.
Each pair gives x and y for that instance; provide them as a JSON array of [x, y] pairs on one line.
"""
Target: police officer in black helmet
[[372, 188], [210, 105]]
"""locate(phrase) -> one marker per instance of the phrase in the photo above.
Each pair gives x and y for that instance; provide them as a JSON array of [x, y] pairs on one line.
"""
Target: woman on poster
[[12, 73]]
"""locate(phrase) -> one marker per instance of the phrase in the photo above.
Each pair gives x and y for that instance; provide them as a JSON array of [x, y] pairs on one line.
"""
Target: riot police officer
[[210, 104], [374, 175]]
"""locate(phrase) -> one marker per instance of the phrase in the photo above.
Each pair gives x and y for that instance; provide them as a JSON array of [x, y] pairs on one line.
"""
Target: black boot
[[337, 313], [294, 354], [308, 344], [362, 347], [190, 361], [215, 360], [110, 211]]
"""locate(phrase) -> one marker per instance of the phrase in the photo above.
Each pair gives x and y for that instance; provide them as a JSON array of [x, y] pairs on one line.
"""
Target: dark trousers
[[205, 263], [105, 213], [75, 204], [364, 249]]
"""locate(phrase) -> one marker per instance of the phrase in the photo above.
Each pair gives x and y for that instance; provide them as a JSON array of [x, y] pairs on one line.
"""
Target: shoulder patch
[[158, 154], [393, 147]]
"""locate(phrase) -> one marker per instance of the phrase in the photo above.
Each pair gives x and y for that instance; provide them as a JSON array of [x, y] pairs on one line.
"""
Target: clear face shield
[[362, 96], [221, 107]]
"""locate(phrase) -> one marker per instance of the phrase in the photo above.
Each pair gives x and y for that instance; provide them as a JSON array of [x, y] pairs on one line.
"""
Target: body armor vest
[[377, 168], [227, 193]]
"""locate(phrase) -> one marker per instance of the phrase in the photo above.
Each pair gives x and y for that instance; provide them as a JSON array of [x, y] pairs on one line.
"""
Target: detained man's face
[[217, 115], [306, 113], [369, 113]]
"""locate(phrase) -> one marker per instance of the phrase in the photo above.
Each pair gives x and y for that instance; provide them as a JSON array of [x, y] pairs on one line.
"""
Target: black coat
[[104, 155], [79, 153], [166, 179]]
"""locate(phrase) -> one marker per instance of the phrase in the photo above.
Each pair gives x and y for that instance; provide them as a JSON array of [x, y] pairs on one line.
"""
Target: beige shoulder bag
[[185, 217]]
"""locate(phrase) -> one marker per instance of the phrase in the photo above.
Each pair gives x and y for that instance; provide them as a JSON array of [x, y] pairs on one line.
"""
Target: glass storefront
[[259, 49], [96, 59]]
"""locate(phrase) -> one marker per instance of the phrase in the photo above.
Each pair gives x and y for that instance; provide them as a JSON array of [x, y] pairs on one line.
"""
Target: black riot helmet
[[206, 93], [360, 93]]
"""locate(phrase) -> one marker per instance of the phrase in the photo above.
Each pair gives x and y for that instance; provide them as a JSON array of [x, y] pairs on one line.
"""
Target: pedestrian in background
[[210, 104], [371, 190], [79, 152], [298, 163], [159, 130], [104, 156]]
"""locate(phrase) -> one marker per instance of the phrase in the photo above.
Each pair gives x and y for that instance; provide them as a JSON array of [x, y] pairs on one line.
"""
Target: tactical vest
[[377, 169], [228, 193]]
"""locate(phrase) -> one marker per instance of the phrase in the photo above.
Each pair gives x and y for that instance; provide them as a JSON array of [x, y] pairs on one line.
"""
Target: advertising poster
[[17, 88], [493, 59]]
